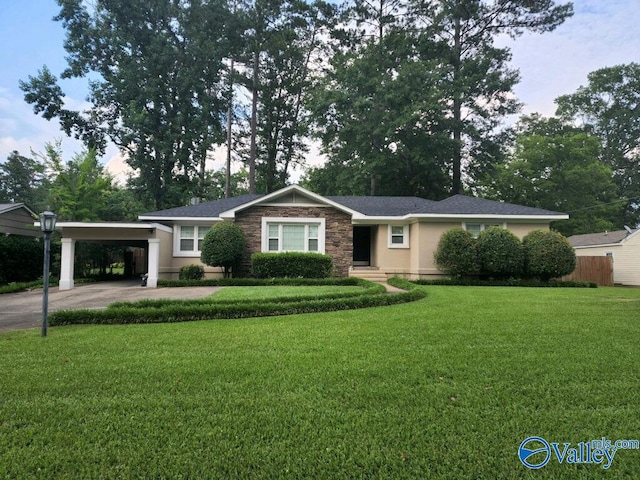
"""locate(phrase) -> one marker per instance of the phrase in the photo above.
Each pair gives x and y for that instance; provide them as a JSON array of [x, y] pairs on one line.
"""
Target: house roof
[[384, 206], [463, 205], [603, 238], [372, 206], [7, 207], [205, 210]]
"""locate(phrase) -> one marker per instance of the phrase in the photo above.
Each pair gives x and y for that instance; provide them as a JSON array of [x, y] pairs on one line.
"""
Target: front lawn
[[445, 387]]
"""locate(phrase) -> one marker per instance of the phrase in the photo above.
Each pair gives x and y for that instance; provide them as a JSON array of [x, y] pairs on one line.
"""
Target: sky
[[601, 33]]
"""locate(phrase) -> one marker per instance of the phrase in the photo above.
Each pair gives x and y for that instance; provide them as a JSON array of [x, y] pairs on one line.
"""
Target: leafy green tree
[[215, 184], [79, 188], [547, 255], [608, 107], [23, 180], [156, 71], [456, 254], [224, 246], [283, 37], [378, 111], [417, 90], [478, 82], [557, 167], [499, 253]]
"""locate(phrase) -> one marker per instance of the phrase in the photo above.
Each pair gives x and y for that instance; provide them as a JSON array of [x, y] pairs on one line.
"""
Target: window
[[476, 228], [188, 240], [293, 235], [398, 236]]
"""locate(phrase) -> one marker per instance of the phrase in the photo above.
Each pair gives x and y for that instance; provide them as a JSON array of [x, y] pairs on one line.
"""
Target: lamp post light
[[47, 225]]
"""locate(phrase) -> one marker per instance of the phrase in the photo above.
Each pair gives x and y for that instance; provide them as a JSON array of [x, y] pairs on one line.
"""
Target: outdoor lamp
[[47, 222], [47, 225]]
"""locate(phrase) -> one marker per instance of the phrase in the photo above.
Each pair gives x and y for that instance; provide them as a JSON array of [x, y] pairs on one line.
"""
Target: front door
[[361, 246]]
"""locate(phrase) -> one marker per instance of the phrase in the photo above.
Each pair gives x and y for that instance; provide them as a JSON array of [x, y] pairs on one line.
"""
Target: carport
[[153, 237]]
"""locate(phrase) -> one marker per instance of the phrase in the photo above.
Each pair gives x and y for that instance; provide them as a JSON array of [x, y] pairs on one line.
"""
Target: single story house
[[622, 245], [373, 237], [17, 219]]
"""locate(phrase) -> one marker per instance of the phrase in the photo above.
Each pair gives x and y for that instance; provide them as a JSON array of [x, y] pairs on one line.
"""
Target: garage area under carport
[[153, 237]]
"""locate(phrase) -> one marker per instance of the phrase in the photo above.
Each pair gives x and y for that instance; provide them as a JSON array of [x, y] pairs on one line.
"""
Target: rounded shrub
[[456, 253], [547, 255], [191, 272], [223, 246], [499, 253]]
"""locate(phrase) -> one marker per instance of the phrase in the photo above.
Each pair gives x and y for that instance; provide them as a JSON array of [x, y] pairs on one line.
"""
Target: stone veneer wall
[[338, 233]]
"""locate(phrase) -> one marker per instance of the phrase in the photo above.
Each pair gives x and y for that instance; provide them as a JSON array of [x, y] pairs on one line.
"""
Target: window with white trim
[[189, 239], [398, 236], [293, 235], [476, 228]]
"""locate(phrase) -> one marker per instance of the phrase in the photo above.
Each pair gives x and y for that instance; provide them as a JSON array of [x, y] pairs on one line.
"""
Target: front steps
[[373, 274]]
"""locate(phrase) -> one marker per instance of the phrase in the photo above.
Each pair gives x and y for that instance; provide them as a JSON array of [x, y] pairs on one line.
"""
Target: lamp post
[[47, 225]]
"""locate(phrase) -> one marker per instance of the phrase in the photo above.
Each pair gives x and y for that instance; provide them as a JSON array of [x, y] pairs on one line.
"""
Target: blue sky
[[601, 33]]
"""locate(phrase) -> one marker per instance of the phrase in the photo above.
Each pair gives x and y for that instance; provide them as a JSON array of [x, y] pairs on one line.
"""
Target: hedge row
[[511, 282], [373, 289], [240, 309], [258, 282], [291, 264]]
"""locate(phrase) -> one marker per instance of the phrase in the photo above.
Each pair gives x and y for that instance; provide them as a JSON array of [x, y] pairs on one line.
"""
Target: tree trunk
[[456, 186], [254, 123]]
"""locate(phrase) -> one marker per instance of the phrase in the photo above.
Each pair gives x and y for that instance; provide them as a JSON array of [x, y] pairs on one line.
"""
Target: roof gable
[[8, 207]]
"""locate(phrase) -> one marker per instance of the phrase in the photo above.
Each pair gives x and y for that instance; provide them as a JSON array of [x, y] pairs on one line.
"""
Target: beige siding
[[390, 260], [520, 230]]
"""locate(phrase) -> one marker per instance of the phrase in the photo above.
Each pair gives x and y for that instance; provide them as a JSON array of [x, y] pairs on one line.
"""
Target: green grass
[[269, 292], [446, 387]]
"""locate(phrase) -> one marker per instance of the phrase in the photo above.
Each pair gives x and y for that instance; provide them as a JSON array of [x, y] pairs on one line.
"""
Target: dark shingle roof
[[385, 206], [206, 210], [374, 206], [604, 238], [463, 205]]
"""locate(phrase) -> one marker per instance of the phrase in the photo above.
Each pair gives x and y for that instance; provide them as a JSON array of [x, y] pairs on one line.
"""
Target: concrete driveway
[[24, 309]]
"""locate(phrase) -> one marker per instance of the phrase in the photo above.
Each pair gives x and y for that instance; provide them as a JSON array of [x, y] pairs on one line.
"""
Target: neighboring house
[[622, 245], [17, 219], [366, 236]]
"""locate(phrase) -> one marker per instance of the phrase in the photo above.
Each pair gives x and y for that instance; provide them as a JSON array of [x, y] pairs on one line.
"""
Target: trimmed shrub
[[499, 253], [456, 253], [191, 272], [291, 264], [21, 259], [223, 246], [547, 254]]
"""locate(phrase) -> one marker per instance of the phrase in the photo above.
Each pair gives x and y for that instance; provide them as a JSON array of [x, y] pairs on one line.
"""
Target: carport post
[[154, 262], [66, 264]]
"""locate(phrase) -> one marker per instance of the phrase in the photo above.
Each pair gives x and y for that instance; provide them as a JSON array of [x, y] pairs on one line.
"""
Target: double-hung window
[[293, 235], [189, 239], [398, 236]]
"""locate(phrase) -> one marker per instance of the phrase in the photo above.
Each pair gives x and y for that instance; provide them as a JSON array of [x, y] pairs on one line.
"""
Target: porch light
[[47, 225]]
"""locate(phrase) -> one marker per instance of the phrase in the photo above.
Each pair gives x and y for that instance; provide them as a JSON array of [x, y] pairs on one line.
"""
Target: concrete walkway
[[24, 309]]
